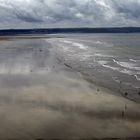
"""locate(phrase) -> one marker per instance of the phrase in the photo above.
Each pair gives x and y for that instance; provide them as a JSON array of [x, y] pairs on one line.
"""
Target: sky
[[69, 13]]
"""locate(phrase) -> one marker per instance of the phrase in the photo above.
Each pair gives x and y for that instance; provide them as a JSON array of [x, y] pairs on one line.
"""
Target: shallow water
[[47, 89]]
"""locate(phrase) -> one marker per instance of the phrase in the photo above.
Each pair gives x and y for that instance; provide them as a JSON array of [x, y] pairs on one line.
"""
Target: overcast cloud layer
[[69, 13]]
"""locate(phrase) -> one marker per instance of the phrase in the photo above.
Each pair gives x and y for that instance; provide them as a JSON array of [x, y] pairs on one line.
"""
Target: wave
[[125, 71], [98, 42], [128, 65], [102, 55], [137, 77], [81, 46], [102, 62], [66, 41], [133, 60], [113, 68]]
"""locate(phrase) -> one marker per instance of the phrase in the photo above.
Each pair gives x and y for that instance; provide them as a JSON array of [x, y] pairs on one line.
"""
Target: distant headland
[[4, 32]]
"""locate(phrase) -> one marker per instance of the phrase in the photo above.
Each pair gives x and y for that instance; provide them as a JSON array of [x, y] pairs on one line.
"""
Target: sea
[[110, 60]]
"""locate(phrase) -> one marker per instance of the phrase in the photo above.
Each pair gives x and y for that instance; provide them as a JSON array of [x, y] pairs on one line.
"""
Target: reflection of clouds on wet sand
[[61, 109], [59, 103], [43, 114]]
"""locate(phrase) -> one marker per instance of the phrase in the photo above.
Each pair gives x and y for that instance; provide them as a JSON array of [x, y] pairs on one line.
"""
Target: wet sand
[[42, 96]]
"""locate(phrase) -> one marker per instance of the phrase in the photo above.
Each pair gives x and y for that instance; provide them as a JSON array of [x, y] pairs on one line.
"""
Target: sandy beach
[[43, 95]]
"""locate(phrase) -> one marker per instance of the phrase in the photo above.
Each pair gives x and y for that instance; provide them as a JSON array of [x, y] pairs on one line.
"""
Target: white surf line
[[125, 71], [66, 41], [134, 60], [87, 41], [116, 61], [127, 65], [98, 42], [81, 46], [113, 68], [137, 78], [71, 40], [103, 55]]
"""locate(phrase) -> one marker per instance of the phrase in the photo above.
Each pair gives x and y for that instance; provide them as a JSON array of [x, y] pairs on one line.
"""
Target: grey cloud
[[27, 17], [55, 13], [129, 9]]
